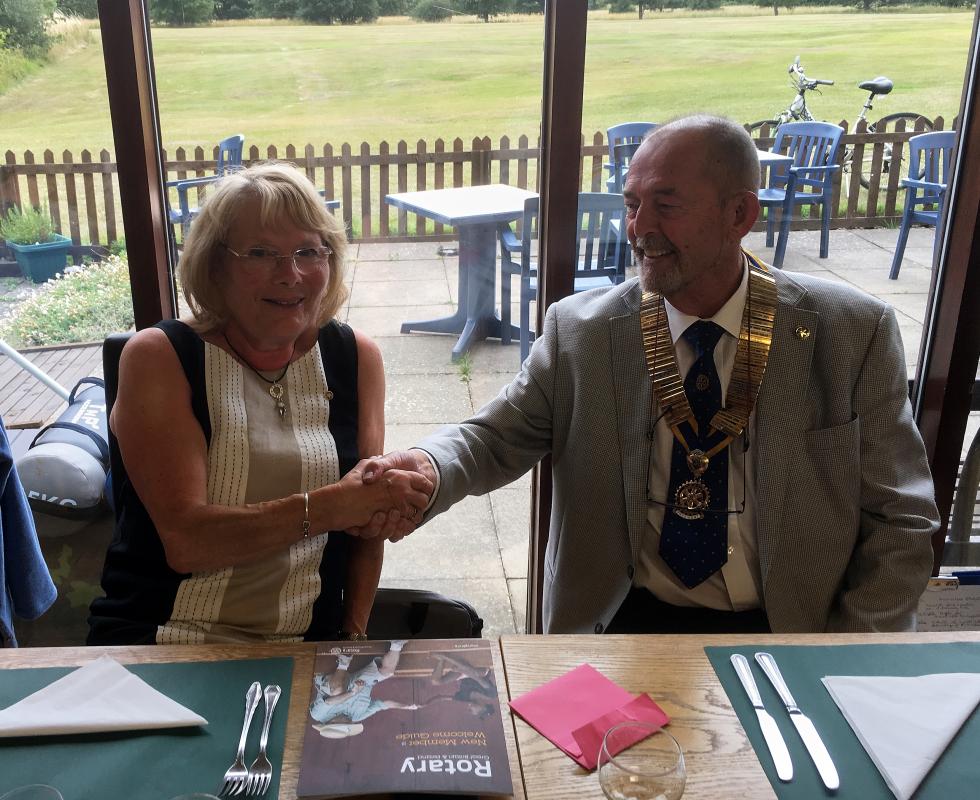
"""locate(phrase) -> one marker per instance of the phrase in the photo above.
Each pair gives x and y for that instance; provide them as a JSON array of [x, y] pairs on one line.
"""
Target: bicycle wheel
[[763, 128], [899, 121], [913, 121]]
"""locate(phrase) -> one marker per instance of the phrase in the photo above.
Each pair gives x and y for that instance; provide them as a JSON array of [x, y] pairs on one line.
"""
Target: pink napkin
[[640, 709], [575, 709]]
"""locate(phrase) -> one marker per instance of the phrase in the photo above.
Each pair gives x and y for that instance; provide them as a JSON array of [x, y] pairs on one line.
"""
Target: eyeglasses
[[672, 507], [264, 259]]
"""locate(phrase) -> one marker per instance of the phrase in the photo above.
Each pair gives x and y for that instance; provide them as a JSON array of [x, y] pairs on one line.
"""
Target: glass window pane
[[885, 80], [61, 297], [58, 187], [752, 76], [370, 110], [963, 538]]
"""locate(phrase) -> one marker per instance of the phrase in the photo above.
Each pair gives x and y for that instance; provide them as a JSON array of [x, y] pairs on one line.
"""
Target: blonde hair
[[283, 193]]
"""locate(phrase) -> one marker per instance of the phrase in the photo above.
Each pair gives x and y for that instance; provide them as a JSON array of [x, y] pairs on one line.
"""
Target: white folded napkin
[[905, 724], [101, 696]]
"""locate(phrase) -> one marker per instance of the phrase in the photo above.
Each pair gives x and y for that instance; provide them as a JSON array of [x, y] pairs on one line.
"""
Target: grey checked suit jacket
[[845, 504]]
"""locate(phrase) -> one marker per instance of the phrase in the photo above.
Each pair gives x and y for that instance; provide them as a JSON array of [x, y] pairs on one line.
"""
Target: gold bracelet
[[348, 636], [306, 515]]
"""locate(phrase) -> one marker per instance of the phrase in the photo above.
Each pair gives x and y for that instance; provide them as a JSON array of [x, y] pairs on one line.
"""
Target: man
[[702, 483], [345, 694]]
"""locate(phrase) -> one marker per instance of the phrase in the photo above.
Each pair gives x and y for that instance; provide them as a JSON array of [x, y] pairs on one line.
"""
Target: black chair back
[[112, 349]]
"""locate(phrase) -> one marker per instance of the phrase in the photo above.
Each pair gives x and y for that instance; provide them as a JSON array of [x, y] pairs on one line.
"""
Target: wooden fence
[[82, 193]]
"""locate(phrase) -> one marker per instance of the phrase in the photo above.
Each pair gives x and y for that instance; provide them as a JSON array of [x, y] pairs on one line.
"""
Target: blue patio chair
[[625, 133], [229, 156], [329, 204], [623, 153], [809, 181], [930, 155], [230, 152], [599, 261]]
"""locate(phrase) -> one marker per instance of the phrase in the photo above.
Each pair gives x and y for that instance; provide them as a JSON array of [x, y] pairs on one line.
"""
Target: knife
[[774, 739], [814, 744]]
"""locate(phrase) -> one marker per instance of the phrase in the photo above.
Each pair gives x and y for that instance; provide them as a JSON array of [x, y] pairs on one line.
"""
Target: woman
[[235, 428]]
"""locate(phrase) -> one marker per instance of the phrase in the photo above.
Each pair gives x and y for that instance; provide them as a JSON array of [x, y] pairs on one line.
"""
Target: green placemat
[[957, 774], [150, 765]]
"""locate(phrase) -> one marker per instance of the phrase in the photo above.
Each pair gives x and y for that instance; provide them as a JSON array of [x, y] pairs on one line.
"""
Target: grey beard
[[666, 283]]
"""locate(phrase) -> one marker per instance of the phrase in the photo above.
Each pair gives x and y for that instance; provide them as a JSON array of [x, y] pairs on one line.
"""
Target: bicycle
[[798, 111]]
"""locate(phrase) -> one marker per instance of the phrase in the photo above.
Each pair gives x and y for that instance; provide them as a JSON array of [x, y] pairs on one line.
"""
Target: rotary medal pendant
[[276, 391], [692, 497]]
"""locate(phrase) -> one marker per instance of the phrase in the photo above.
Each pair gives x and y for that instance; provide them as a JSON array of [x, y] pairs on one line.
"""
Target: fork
[[260, 773], [236, 778]]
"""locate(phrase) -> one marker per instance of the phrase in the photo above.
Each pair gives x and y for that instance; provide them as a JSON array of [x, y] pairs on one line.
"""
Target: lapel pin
[[802, 333]]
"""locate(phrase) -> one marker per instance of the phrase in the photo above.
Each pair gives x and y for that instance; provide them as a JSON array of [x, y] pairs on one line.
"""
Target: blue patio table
[[475, 212], [767, 158]]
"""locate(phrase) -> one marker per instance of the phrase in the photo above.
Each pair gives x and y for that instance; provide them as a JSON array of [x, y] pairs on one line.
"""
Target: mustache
[[648, 243]]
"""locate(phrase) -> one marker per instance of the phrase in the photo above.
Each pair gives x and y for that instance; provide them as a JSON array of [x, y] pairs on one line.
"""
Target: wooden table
[[675, 672], [299, 698], [475, 212]]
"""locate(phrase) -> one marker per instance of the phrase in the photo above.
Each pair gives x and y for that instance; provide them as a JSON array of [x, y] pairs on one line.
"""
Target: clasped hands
[[406, 479]]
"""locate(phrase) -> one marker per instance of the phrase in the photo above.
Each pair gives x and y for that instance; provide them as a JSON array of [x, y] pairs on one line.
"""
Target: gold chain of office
[[751, 358]]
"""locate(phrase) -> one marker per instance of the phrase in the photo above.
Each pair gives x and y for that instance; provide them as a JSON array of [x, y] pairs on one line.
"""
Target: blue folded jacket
[[27, 588]]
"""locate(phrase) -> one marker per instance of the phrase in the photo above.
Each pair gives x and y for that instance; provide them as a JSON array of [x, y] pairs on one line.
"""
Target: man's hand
[[389, 525], [398, 496], [411, 460]]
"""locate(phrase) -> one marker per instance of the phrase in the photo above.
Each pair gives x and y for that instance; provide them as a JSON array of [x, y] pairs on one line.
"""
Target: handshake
[[401, 483]]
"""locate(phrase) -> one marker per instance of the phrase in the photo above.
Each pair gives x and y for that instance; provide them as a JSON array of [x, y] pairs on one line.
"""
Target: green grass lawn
[[293, 84]]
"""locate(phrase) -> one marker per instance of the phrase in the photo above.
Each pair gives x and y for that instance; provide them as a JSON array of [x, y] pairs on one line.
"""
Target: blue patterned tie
[[695, 549]]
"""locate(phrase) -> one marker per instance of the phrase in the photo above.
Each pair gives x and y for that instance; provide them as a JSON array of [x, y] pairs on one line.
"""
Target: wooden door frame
[[139, 160]]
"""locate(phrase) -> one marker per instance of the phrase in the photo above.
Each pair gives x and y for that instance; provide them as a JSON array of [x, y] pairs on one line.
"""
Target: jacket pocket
[[844, 439]]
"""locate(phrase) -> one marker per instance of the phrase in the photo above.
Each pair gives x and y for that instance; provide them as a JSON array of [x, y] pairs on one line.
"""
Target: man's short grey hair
[[731, 157]]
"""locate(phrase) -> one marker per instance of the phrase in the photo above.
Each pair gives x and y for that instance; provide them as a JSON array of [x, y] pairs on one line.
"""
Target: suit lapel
[[781, 397], [631, 387]]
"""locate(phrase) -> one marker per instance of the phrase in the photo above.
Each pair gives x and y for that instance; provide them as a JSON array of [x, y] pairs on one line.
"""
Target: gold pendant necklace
[[275, 387], [751, 357]]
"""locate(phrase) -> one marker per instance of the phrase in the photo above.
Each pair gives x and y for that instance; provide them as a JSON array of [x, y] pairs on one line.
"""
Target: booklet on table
[[404, 716]]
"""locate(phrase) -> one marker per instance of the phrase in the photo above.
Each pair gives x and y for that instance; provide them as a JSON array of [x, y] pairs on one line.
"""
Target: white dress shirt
[[738, 585]]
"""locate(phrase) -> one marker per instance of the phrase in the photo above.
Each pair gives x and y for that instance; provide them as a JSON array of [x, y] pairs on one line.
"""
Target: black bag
[[419, 614]]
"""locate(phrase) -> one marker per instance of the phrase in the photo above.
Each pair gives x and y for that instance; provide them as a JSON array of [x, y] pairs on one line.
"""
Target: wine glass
[[195, 796], [639, 761], [36, 791]]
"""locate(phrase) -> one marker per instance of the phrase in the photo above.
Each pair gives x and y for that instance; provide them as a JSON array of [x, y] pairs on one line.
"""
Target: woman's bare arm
[[165, 453]]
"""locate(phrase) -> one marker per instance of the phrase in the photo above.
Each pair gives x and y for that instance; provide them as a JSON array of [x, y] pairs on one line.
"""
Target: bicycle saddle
[[879, 85]]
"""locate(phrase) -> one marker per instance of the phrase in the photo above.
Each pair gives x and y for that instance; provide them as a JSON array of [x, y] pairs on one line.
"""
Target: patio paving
[[477, 550]]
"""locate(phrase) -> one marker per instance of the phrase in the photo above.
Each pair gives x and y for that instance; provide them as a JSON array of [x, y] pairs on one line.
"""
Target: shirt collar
[[729, 316]]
